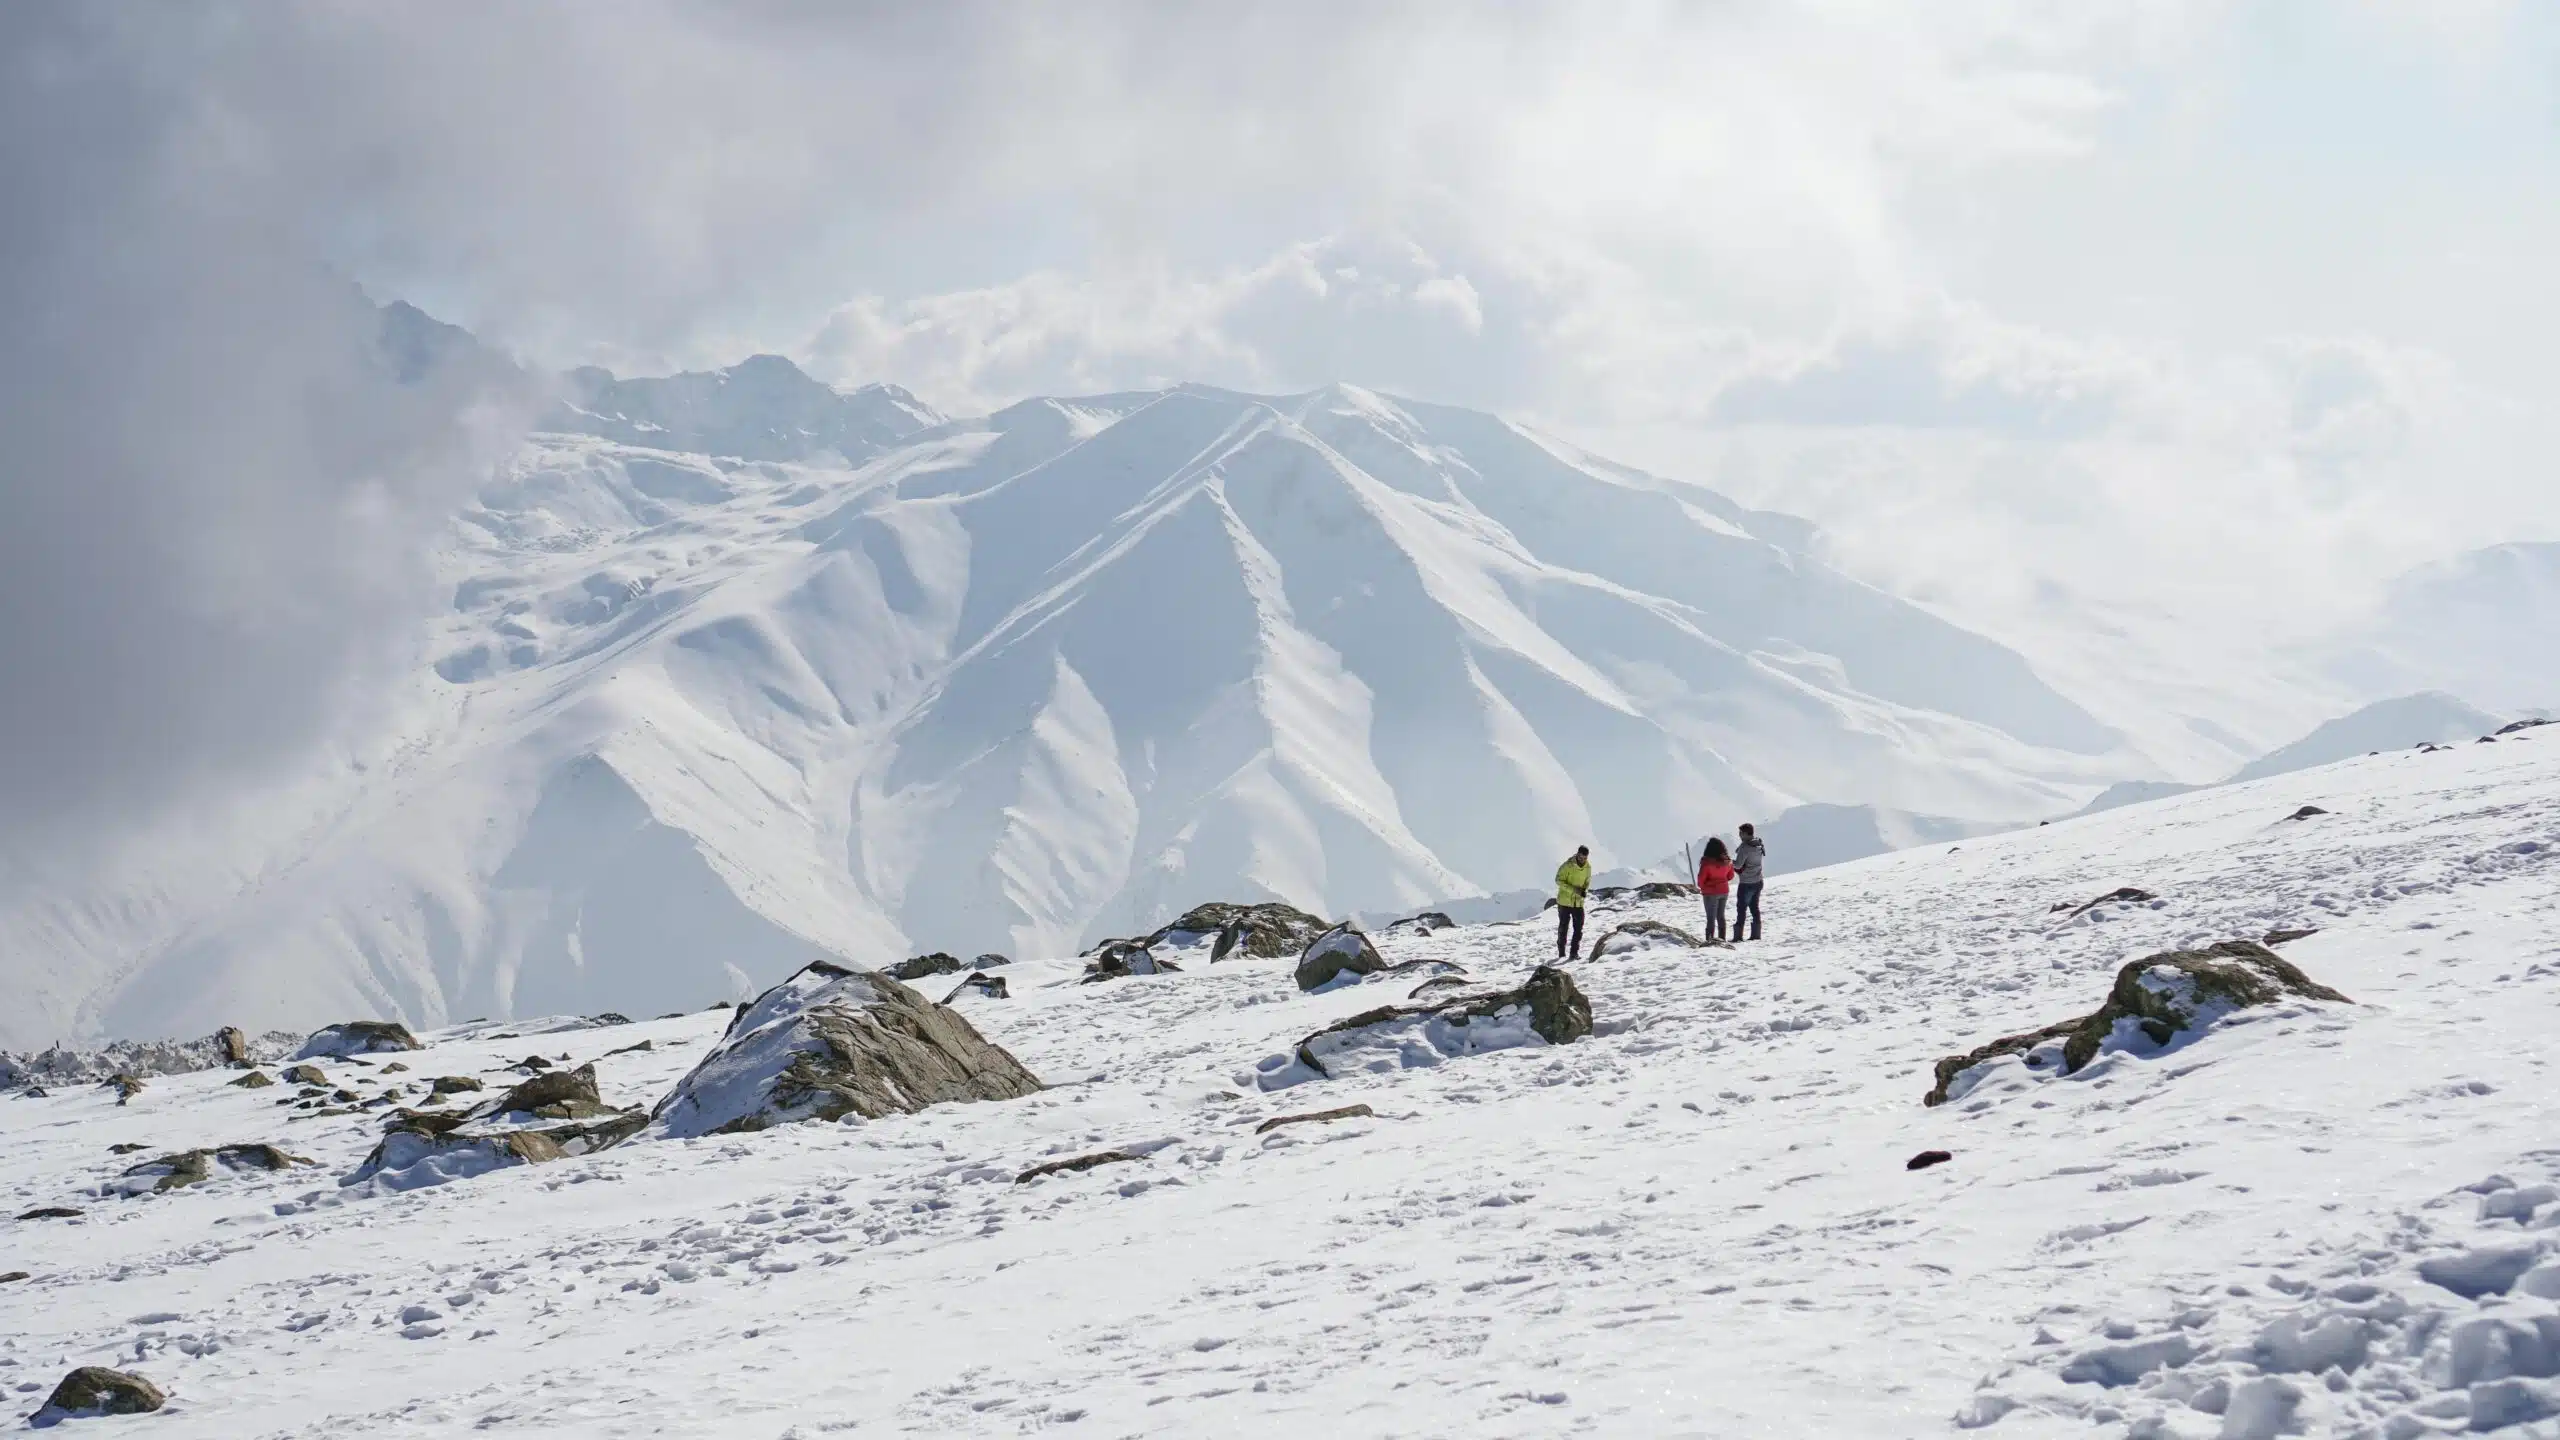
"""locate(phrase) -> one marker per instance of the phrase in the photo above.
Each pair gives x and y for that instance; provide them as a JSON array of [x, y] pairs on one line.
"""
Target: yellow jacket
[[1573, 877]]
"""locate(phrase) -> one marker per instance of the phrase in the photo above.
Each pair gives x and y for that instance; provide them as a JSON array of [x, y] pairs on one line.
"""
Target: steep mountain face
[[1019, 682]]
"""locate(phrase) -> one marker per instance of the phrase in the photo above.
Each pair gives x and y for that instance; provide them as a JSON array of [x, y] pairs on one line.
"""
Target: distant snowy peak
[[2478, 625], [762, 408]]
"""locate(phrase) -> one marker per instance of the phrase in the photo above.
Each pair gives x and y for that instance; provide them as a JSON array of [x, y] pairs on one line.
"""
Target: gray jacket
[[1748, 857]]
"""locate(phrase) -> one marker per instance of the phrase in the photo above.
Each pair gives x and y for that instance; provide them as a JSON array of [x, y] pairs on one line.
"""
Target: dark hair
[[1581, 849], [1747, 830], [1715, 847]]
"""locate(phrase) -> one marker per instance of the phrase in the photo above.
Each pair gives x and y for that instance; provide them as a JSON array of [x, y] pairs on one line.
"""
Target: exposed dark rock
[[357, 1037], [2160, 995], [1079, 1163], [1552, 1005], [533, 1062], [2306, 812], [194, 1167], [991, 986], [344, 1096], [13, 1277], [1267, 931], [454, 1084], [233, 1043], [254, 1080], [1428, 922], [1120, 959], [1927, 1158], [305, 1075], [560, 1094], [2486, 740], [1666, 890], [586, 1136], [2286, 936], [1338, 951], [50, 1212], [33, 1092], [395, 1068], [94, 1390], [2513, 726], [125, 1086], [128, 1148], [642, 1048], [608, 1019], [990, 961], [1440, 983], [921, 966], [831, 1043], [427, 1122], [1644, 934], [2125, 895], [1339, 1112]]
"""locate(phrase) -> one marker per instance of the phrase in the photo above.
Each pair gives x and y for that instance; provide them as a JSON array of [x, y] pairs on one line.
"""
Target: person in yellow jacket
[[1573, 881]]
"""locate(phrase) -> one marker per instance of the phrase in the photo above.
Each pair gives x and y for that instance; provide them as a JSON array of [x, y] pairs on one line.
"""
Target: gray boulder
[[357, 1037], [1120, 959], [2156, 999], [922, 966], [1268, 931], [412, 1157], [233, 1043], [1640, 935], [1339, 951], [830, 1044], [94, 1390]]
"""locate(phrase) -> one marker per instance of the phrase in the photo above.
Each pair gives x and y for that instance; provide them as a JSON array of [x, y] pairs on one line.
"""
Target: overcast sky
[[2042, 310]]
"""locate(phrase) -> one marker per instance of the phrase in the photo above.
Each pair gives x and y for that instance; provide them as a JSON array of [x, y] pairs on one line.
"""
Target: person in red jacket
[[1715, 880]]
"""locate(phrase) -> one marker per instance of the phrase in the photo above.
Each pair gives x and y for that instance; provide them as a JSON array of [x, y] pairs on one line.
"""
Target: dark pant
[[1569, 919], [1715, 917], [1746, 903]]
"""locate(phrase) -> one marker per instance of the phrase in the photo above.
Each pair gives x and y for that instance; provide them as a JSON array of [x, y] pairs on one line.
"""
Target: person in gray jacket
[[1750, 858]]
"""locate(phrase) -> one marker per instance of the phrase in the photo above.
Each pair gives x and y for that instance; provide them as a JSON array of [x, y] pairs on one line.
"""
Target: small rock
[[921, 966], [642, 1048], [991, 986], [1423, 924], [1339, 951], [194, 1167], [13, 1277], [2287, 936], [254, 1080], [990, 961], [50, 1212], [533, 1062], [1120, 959], [2122, 895], [562, 1094], [128, 1148], [2306, 812], [454, 1084], [95, 1390], [1927, 1158], [2513, 726], [234, 1045], [1339, 1112], [125, 1086], [1079, 1163], [306, 1075]]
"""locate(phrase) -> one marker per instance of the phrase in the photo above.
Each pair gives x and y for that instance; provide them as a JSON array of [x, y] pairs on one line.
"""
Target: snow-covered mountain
[[2478, 625], [2399, 723], [846, 678]]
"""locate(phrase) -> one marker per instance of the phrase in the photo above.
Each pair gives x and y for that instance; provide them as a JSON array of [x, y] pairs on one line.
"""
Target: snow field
[[1694, 1222]]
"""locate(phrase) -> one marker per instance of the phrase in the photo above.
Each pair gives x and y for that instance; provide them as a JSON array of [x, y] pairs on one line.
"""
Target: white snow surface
[[2320, 1219], [1018, 684]]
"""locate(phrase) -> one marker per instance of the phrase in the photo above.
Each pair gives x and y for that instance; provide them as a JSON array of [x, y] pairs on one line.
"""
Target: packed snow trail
[[1694, 1222]]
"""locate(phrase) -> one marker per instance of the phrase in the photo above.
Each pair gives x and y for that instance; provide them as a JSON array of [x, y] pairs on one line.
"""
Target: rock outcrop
[[254, 1080], [454, 1084], [1120, 959], [412, 1158], [1339, 951], [305, 1075], [1268, 931], [94, 1390], [357, 1037], [233, 1042], [2154, 999], [194, 1167], [1640, 935], [829, 1044], [991, 986], [1076, 1165], [1547, 1009], [923, 966]]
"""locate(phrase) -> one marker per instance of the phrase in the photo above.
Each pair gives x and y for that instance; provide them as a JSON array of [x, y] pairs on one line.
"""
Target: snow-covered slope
[[2327, 1220], [2400, 723], [1020, 682]]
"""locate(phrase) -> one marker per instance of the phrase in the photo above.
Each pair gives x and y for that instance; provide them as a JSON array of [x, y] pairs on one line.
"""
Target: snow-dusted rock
[[357, 1037], [922, 966], [94, 1390], [1339, 951], [1637, 936], [1425, 923], [194, 1167], [1547, 1009], [412, 1159], [1270, 931], [1120, 959], [2155, 999], [830, 1043]]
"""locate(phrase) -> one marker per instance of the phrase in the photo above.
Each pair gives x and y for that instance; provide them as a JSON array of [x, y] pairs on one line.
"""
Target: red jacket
[[1714, 876]]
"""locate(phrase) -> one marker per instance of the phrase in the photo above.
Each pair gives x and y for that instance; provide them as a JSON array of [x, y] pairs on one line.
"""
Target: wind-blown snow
[[2337, 1218]]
